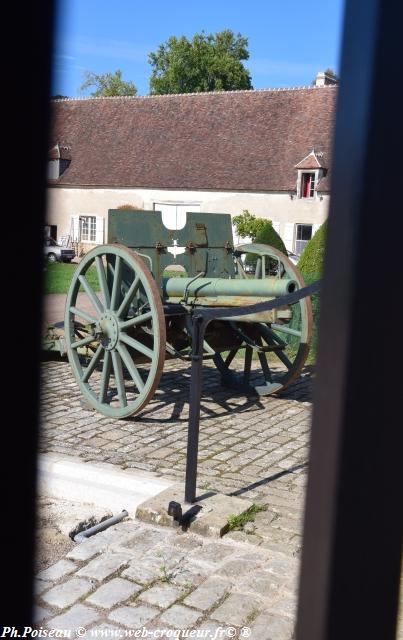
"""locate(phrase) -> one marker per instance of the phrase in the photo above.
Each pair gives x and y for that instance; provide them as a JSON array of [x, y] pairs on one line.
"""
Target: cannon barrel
[[221, 287]]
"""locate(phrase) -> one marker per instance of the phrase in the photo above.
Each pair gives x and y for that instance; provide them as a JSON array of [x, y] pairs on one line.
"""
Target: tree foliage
[[268, 235], [108, 84], [210, 62], [311, 260], [330, 72], [247, 225]]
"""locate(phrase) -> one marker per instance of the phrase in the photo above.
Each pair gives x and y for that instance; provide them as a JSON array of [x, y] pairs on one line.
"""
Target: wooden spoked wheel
[[268, 345], [115, 330]]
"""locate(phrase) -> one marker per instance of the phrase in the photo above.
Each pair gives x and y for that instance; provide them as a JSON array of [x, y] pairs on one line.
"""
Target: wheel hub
[[109, 330]]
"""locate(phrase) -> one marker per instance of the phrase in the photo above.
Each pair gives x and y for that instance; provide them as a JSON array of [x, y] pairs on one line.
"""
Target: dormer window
[[308, 184], [310, 171], [58, 160]]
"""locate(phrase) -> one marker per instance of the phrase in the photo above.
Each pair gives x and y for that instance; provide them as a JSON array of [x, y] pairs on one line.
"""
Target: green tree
[[246, 224], [210, 62], [108, 84]]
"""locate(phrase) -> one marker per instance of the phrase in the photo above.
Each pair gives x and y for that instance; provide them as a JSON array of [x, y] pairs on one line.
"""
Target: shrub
[[266, 235], [128, 206], [311, 265], [311, 260]]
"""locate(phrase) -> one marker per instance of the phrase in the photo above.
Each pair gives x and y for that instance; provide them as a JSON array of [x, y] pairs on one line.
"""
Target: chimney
[[324, 78]]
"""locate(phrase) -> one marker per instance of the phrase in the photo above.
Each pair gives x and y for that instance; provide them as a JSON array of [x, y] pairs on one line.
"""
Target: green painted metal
[[287, 342], [117, 343], [204, 245], [109, 376], [220, 287]]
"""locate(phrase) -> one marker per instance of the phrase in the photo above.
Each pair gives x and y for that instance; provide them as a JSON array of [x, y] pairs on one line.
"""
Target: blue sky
[[289, 41]]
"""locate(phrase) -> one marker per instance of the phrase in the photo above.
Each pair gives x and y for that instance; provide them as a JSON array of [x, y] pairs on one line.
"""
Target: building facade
[[266, 151]]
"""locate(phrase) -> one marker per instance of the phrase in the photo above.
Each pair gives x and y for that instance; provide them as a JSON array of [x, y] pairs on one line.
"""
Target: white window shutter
[[75, 229], [289, 236], [99, 230], [315, 227], [276, 226]]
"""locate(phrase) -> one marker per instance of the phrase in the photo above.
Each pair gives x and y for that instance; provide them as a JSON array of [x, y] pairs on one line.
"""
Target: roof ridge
[[195, 93]]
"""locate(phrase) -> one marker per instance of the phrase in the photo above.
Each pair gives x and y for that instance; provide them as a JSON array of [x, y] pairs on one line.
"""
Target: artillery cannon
[[117, 343]]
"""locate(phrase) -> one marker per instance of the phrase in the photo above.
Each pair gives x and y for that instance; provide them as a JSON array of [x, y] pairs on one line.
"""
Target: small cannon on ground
[[118, 341]]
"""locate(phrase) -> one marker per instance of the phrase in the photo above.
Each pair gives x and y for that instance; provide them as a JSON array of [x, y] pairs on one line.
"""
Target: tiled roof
[[311, 161], [324, 184], [240, 140]]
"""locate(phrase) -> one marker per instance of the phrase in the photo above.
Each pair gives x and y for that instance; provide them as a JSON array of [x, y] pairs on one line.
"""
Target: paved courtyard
[[251, 448]]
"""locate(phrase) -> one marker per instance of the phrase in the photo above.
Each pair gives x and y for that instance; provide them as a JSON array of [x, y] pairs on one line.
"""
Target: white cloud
[[106, 48]]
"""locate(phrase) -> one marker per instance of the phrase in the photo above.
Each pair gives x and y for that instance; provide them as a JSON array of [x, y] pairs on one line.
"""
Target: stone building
[[267, 151]]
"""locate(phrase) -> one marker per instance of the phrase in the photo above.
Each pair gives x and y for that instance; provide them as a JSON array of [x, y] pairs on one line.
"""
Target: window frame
[[296, 239], [91, 232], [317, 173]]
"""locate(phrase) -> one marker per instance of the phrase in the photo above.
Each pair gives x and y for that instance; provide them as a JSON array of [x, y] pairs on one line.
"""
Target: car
[[57, 253]]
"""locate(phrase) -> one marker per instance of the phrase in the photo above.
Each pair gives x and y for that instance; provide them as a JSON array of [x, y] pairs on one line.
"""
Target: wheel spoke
[[284, 359], [270, 336], [128, 297], [272, 339], [102, 282], [138, 346], [120, 383], [230, 356], [97, 304], [285, 329], [264, 364], [136, 320], [82, 342], [106, 372], [117, 279], [83, 314], [131, 367], [93, 363], [247, 363]]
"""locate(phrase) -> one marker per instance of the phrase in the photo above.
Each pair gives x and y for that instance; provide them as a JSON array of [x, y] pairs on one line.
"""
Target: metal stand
[[196, 381], [200, 320]]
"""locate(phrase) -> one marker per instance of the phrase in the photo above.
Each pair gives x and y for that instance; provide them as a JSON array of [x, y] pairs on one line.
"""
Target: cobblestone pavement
[[255, 448], [252, 448], [136, 576]]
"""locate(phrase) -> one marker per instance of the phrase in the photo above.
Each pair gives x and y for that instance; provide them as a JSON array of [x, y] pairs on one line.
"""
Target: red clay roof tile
[[246, 140]]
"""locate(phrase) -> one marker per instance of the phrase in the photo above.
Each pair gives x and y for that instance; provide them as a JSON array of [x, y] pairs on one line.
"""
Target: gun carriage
[[117, 343]]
